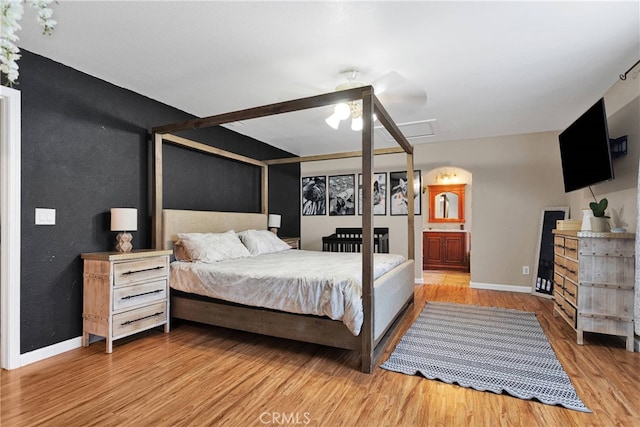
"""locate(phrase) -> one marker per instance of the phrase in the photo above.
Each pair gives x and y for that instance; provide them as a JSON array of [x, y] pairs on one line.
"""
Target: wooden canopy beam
[[345, 155], [266, 110]]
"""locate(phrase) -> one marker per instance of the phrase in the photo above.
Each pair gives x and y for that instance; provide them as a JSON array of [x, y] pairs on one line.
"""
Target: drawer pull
[[570, 293], [128, 322], [570, 249], [142, 294], [160, 267], [571, 271]]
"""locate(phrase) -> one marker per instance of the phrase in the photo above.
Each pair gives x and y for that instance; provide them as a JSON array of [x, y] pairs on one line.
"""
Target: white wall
[[514, 178]]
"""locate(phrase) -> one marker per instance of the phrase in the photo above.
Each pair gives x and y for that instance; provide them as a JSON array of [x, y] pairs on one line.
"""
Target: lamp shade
[[274, 221], [124, 219]]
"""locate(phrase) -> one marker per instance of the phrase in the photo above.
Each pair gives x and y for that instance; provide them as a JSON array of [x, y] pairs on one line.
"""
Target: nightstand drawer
[[144, 293], [132, 321], [125, 273]]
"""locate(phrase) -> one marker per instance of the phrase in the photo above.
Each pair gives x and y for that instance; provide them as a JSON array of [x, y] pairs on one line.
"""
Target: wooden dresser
[[124, 293], [594, 276], [444, 250]]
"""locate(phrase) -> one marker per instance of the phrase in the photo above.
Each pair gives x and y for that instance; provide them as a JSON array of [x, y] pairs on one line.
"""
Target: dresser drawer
[[558, 261], [558, 245], [133, 321], [571, 270], [143, 293], [571, 248], [558, 281], [571, 292], [125, 273], [568, 311]]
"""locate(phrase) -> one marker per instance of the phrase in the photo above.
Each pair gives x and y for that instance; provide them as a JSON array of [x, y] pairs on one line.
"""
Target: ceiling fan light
[[333, 121], [342, 111], [356, 123]]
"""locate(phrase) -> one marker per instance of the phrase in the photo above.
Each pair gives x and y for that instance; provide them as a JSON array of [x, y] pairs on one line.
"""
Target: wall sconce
[[124, 220], [447, 178], [274, 223]]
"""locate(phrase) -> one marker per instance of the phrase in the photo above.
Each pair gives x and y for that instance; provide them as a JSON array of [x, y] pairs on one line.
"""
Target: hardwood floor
[[445, 278], [206, 376]]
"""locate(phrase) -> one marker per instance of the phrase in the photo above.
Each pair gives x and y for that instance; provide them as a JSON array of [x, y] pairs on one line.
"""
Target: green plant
[[598, 208]]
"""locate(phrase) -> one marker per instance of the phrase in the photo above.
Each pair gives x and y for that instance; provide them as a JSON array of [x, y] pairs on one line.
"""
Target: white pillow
[[213, 247], [262, 242]]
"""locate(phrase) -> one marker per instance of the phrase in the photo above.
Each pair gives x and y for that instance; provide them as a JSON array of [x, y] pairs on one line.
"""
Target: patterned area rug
[[487, 349]]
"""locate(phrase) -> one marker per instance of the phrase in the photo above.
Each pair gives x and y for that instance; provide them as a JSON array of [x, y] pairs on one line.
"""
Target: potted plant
[[599, 221]]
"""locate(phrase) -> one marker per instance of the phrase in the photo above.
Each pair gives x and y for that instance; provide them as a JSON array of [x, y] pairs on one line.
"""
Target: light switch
[[45, 216]]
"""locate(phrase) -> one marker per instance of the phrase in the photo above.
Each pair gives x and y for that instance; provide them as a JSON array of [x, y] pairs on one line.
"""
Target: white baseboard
[[50, 351], [418, 281], [504, 288]]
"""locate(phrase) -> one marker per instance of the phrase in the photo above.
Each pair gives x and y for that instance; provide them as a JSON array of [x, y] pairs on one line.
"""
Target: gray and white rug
[[487, 349]]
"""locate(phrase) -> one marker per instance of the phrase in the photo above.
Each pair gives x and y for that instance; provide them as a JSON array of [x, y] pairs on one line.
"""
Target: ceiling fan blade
[[405, 97], [387, 81]]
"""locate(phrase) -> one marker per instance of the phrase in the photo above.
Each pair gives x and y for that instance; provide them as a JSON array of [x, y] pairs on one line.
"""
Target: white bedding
[[294, 281]]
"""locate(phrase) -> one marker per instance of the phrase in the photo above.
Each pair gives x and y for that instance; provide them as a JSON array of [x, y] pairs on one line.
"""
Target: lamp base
[[124, 242], [274, 230]]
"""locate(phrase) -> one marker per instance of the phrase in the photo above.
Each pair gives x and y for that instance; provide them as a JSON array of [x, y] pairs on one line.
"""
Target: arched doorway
[[447, 226]]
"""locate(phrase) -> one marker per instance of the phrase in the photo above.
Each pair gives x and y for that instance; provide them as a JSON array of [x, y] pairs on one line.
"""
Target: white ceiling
[[488, 68]]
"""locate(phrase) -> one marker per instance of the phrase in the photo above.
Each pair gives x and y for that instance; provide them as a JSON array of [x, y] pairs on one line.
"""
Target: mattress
[[295, 281]]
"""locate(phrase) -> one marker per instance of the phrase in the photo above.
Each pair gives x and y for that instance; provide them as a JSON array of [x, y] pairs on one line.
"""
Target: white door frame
[[10, 147]]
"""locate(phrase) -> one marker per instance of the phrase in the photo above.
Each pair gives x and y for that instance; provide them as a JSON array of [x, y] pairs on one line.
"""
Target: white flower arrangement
[[10, 14]]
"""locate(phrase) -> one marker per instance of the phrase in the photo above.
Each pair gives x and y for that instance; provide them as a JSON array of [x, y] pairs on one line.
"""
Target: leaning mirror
[[446, 203]]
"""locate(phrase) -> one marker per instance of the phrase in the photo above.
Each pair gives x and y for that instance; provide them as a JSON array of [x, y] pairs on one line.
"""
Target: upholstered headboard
[[182, 221]]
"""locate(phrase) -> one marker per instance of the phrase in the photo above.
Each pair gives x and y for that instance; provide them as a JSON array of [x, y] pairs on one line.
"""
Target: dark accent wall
[[86, 149]]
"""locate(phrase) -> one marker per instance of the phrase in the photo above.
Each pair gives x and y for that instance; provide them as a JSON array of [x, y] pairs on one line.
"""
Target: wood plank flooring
[[206, 376], [445, 278]]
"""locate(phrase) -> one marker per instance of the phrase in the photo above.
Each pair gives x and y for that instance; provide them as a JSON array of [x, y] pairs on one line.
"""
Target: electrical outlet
[[525, 270]]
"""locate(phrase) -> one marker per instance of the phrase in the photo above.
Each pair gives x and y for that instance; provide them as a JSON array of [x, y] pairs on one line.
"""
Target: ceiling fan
[[395, 92]]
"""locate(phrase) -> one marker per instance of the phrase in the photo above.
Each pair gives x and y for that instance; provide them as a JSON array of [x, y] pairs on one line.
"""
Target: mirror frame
[[457, 189]]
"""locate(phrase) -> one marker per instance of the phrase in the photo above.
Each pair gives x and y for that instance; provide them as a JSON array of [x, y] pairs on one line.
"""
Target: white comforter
[[295, 281]]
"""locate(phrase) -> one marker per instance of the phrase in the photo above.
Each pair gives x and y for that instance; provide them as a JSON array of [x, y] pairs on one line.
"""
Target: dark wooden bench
[[350, 240]]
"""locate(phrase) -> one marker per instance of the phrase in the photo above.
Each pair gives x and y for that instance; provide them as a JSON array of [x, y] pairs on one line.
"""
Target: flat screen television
[[585, 151]]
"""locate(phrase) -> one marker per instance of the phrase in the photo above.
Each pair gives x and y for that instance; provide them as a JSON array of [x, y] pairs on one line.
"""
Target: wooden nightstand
[[294, 242], [124, 293]]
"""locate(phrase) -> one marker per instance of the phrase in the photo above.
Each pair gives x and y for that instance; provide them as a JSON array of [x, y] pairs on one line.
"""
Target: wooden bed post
[[410, 208], [366, 334], [156, 200], [264, 206]]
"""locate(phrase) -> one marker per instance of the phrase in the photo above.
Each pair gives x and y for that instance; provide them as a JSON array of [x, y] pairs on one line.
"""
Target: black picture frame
[[342, 197], [379, 193], [398, 193], [314, 195]]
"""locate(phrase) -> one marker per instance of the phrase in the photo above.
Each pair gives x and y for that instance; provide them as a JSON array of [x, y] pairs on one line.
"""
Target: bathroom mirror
[[446, 203]]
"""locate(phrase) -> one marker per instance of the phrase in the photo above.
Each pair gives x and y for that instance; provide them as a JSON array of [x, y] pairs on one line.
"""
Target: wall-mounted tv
[[585, 150]]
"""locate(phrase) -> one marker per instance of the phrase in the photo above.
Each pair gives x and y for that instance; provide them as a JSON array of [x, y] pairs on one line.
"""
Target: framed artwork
[[342, 197], [379, 193], [314, 195], [398, 193]]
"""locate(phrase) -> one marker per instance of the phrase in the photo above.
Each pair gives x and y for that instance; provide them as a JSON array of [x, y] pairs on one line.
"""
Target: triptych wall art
[[337, 196]]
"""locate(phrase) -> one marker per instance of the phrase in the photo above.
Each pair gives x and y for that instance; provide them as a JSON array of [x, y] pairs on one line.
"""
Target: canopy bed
[[384, 297]]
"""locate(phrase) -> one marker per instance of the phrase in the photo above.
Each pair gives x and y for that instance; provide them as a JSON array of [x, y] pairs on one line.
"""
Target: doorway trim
[[10, 194]]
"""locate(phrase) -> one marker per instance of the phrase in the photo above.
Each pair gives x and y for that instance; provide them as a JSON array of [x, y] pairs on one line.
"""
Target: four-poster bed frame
[[370, 342]]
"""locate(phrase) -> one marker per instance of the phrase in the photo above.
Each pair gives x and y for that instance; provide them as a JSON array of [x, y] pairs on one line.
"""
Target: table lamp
[[124, 220], [274, 223]]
